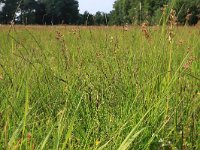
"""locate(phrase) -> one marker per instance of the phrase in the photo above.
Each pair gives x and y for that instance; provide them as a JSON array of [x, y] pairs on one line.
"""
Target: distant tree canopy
[[100, 18], [124, 11], [40, 11], [138, 11]]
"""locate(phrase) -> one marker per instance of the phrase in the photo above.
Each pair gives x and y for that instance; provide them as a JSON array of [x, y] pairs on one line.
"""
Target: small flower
[[97, 142]]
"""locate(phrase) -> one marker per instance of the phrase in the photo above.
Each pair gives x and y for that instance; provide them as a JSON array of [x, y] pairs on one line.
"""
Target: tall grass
[[65, 87]]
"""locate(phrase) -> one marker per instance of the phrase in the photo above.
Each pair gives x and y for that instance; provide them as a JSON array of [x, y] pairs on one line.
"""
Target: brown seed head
[[145, 30]]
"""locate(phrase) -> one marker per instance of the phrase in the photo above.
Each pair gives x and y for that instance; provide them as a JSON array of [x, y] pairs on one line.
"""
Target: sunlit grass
[[67, 87]]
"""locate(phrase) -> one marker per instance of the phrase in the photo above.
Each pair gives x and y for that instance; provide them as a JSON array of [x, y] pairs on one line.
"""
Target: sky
[[92, 6], [1, 6]]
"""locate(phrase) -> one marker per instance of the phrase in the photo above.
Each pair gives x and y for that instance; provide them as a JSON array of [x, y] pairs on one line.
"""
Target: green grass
[[99, 88]]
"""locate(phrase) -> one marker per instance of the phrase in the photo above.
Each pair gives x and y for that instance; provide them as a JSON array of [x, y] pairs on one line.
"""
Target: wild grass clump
[[68, 87]]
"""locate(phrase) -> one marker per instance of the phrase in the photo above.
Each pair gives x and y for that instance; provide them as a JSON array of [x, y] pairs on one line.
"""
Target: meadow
[[70, 87]]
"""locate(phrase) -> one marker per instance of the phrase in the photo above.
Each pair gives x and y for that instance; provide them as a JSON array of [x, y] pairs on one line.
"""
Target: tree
[[41, 11], [27, 11], [188, 11], [138, 11], [124, 11], [117, 13], [101, 18], [87, 18], [62, 11], [8, 10]]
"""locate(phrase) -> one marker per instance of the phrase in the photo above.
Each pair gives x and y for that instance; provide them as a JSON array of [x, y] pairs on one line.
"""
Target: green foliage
[[125, 11], [62, 11], [101, 18], [40, 11], [99, 88], [8, 11], [188, 11], [137, 11], [86, 19]]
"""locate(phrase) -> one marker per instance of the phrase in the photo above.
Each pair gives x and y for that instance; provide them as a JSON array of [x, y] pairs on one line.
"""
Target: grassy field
[[67, 87]]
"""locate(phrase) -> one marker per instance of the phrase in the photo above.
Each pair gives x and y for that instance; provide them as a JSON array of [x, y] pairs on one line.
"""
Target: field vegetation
[[70, 87]]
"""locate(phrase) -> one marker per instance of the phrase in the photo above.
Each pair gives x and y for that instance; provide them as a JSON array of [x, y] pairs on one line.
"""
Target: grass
[[66, 87]]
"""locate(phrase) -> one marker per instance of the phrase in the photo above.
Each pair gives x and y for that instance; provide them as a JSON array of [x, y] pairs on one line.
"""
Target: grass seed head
[[189, 63], [145, 30], [173, 23]]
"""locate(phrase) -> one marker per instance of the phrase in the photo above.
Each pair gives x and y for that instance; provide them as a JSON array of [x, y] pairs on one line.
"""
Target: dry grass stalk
[[189, 63], [76, 32], [187, 18], [173, 23], [145, 30], [163, 9], [64, 49]]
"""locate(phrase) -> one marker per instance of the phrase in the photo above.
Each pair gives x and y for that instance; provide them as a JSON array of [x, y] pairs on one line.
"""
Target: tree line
[[151, 11], [39, 11], [47, 12], [124, 11]]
